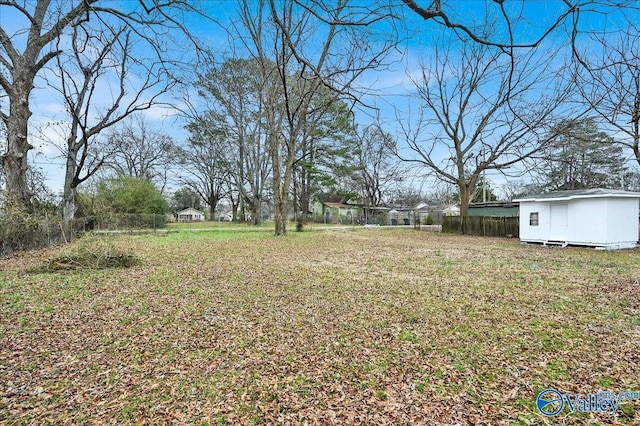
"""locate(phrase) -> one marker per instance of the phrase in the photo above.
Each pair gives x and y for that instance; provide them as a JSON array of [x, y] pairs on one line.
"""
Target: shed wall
[[622, 223], [537, 233], [588, 221]]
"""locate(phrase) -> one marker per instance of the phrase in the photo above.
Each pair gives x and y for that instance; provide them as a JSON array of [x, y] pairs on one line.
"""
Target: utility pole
[[484, 177]]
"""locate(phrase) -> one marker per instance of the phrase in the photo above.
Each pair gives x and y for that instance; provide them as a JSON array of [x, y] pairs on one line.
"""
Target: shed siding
[[622, 220], [534, 233], [588, 221]]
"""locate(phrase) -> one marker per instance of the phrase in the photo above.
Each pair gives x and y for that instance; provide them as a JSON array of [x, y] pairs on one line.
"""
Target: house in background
[[400, 216], [452, 210], [336, 209], [189, 215], [590, 217], [421, 211]]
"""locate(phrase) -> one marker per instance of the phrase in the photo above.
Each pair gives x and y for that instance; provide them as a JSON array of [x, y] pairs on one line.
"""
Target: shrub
[[428, 220], [129, 195], [20, 230], [91, 252]]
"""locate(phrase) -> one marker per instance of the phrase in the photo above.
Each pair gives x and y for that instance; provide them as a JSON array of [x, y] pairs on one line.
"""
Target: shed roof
[[580, 193]]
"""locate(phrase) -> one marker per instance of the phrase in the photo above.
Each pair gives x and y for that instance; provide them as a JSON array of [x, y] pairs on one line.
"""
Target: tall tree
[[303, 49], [142, 152], [205, 162], [34, 40], [325, 148], [92, 78], [377, 167], [608, 78], [231, 101], [480, 110], [581, 156]]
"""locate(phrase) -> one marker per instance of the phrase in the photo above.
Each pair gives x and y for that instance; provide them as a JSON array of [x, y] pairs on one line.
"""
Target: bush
[[20, 230], [299, 225], [428, 220], [91, 252], [129, 195]]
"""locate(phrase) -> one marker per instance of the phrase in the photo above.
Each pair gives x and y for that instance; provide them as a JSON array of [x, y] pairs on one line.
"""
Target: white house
[[189, 215], [452, 210], [590, 217]]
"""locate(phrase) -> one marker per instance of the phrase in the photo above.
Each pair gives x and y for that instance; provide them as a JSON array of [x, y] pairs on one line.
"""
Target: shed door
[[558, 222]]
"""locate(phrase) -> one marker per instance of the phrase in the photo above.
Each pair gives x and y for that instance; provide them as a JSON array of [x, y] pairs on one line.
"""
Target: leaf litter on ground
[[358, 327]]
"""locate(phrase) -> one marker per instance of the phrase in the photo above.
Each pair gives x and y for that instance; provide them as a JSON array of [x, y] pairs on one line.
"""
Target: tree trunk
[[279, 201], [305, 192], [14, 160], [212, 211], [234, 209], [465, 199], [69, 194], [280, 215], [255, 212]]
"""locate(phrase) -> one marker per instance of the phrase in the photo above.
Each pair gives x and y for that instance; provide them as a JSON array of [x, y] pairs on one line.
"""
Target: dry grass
[[364, 327]]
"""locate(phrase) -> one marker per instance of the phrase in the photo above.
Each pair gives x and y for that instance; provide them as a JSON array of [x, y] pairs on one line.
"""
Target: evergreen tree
[[581, 157]]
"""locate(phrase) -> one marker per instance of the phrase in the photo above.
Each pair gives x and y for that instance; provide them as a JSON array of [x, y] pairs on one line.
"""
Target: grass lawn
[[266, 226], [344, 327]]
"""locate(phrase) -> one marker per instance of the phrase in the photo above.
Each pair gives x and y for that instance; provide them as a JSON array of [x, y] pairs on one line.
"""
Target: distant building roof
[[505, 204], [338, 204], [579, 193], [190, 210]]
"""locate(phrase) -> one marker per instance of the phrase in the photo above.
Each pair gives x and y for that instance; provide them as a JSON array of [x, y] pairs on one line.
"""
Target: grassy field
[[344, 327]]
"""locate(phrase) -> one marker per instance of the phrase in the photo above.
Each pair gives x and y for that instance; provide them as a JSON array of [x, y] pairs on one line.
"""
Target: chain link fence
[[20, 231]]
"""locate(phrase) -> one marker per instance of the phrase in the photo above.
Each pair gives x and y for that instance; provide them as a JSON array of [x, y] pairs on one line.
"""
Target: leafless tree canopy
[[142, 151], [43, 32], [608, 79], [310, 57], [514, 20], [378, 167], [206, 162], [479, 112]]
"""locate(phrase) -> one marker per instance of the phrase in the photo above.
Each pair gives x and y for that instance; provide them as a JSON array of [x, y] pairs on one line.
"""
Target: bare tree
[[515, 20], [36, 41], [480, 110], [513, 189], [141, 151], [205, 161], [92, 78], [377, 166], [303, 49], [608, 78]]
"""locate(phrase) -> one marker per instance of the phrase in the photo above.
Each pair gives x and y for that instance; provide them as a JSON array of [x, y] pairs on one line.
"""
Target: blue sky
[[391, 88]]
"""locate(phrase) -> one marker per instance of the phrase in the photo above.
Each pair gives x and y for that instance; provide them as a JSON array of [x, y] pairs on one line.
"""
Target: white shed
[[590, 217]]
